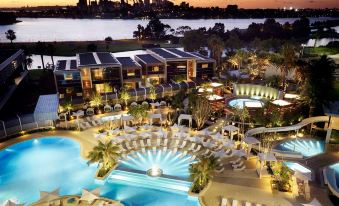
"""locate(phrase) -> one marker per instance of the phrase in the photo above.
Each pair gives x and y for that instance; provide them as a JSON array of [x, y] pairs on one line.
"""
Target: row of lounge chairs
[[225, 201], [90, 122], [238, 164]]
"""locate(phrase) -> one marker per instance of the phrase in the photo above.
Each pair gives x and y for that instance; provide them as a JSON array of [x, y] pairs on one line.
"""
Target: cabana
[[187, 117], [47, 108], [155, 116], [231, 129], [262, 159], [250, 141]]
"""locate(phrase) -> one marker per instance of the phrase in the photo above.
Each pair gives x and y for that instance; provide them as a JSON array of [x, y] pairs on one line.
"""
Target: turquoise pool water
[[251, 103], [49, 163], [307, 147], [336, 169]]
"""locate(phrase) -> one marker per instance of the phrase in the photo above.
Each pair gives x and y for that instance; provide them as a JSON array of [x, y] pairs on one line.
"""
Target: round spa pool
[[49, 163], [306, 147], [247, 102]]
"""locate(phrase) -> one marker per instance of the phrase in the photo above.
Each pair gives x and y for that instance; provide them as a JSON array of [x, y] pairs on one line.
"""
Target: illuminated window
[[68, 76], [204, 66], [97, 74], [69, 90], [130, 72], [14, 64], [99, 88], [155, 69]]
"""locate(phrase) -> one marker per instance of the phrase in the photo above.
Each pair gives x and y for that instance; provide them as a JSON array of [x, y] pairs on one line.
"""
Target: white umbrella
[[11, 203], [314, 202], [90, 196], [48, 196], [239, 153]]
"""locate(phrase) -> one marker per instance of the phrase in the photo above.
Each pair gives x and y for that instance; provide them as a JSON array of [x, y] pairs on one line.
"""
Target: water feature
[[246, 102], [48, 163], [306, 147], [61, 29]]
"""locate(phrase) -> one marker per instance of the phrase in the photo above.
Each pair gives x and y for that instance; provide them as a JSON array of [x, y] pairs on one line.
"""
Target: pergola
[[231, 129], [155, 116], [262, 159], [187, 117], [250, 141]]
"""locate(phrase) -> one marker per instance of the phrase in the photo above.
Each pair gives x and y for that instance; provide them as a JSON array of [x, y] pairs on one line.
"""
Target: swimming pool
[[52, 162], [335, 167], [250, 103], [299, 168], [306, 147]]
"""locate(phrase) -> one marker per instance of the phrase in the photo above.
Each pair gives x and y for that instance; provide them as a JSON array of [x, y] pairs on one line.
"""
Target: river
[[61, 29]]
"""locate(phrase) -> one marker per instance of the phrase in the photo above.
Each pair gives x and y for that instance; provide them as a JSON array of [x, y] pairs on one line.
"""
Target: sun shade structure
[[250, 141], [47, 108], [97, 59], [263, 158], [231, 129], [90, 196], [11, 203]]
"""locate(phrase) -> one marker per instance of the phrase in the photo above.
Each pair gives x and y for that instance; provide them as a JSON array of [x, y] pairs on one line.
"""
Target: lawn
[[71, 48], [320, 51]]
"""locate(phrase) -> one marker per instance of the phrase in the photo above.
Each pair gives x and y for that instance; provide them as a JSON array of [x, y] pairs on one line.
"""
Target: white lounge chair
[[94, 123], [191, 147], [224, 202], [183, 144], [240, 169], [220, 170], [235, 203], [165, 148], [135, 145], [197, 149], [176, 143], [240, 164], [175, 149], [235, 161], [248, 204], [183, 154], [142, 144], [158, 142], [149, 143], [128, 146], [206, 152], [143, 150], [193, 158], [258, 204], [165, 142]]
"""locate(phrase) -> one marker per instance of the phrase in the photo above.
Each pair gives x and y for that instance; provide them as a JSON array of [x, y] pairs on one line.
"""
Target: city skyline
[[196, 3]]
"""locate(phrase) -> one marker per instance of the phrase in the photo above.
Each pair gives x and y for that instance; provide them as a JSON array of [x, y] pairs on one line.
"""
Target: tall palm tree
[[289, 60], [201, 172], [217, 46], [242, 114], [40, 48], [106, 154], [152, 93], [257, 64], [124, 95]]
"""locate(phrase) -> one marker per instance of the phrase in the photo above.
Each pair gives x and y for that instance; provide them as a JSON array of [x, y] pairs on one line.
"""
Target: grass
[[321, 51], [71, 48]]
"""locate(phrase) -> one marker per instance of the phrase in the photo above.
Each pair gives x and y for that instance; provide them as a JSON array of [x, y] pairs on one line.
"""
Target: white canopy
[[11, 203], [267, 157], [314, 202], [47, 108], [48, 196], [90, 196], [187, 117], [251, 140], [230, 128]]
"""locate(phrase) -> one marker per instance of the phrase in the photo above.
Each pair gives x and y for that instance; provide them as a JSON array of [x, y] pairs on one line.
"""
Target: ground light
[[155, 171]]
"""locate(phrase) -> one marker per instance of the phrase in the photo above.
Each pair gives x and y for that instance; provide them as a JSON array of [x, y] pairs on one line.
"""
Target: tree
[[139, 33], [68, 106], [40, 48], [152, 93], [201, 172], [193, 40], [289, 59], [108, 41], [139, 112], [155, 29], [106, 154], [10, 35], [201, 111], [107, 88], [216, 45], [124, 95], [29, 61], [95, 100], [233, 42], [238, 58], [181, 30], [242, 114], [257, 64], [51, 52]]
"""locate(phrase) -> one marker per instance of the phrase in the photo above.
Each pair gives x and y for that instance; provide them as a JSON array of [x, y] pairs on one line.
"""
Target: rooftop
[[148, 59], [96, 59], [66, 65], [7, 56], [128, 63], [171, 53]]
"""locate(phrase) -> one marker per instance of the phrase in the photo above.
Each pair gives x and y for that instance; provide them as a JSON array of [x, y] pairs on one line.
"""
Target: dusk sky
[[201, 3]]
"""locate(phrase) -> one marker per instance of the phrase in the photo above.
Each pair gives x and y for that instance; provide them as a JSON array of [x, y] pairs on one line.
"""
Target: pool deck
[[243, 186]]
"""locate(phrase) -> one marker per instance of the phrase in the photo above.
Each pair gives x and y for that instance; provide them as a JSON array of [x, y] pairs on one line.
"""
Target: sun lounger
[[235, 161], [220, 170], [143, 150], [223, 202], [239, 169], [87, 125], [240, 164], [218, 148], [191, 147], [165, 148], [165, 142], [135, 145], [142, 144], [176, 143], [258, 204], [128, 146], [94, 123], [183, 144], [149, 143], [193, 157], [175, 150], [197, 149], [206, 152], [183, 154], [158, 142], [235, 203], [248, 204]]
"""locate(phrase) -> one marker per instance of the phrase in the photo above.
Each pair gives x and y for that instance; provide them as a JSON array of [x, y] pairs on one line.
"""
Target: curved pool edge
[[330, 180]]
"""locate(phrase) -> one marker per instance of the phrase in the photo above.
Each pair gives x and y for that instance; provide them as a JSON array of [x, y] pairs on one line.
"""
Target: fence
[[21, 123]]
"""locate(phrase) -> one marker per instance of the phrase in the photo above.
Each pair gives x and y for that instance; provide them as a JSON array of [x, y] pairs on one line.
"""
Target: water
[[49, 163], [60, 29], [336, 169], [251, 103], [307, 148]]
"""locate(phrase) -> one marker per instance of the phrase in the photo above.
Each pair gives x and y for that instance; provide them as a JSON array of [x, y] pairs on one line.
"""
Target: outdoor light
[[155, 171]]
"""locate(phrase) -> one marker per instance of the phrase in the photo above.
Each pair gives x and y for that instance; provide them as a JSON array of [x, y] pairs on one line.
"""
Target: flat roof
[[180, 53], [149, 59], [66, 65], [96, 59], [128, 63], [201, 57], [163, 53]]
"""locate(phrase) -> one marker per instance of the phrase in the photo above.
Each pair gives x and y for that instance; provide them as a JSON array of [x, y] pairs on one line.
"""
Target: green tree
[[217, 46], [106, 154], [201, 172], [152, 93], [68, 106], [155, 29], [124, 95], [95, 100], [193, 40], [257, 64], [201, 111], [242, 114], [289, 61], [108, 41], [107, 88], [10, 35], [233, 42], [139, 112]]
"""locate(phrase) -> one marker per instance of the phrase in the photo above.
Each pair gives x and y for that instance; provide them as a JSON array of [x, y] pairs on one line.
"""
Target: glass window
[[204, 66], [99, 88], [68, 76], [130, 72], [155, 69]]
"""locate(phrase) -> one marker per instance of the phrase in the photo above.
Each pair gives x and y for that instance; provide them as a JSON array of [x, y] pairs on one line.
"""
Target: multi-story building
[[89, 72], [13, 71]]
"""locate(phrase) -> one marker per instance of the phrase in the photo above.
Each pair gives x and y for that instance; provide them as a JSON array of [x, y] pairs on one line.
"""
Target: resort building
[[89, 72], [13, 71]]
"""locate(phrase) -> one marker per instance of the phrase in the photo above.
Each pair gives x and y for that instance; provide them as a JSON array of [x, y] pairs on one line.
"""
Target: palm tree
[[107, 88], [106, 154], [217, 46], [96, 100], [10, 35], [257, 64], [68, 107], [108, 41], [201, 111], [29, 61], [289, 60], [152, 93], [242, 114], [124, 95], [201, 172], [40, 48]]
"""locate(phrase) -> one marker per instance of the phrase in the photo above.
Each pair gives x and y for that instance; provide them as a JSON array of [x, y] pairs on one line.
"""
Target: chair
[[193, 157], [235, 161], [183, 144], [220, 170], [224, 202], [197, 149], [149, 143], [240, 169], [235, 203]]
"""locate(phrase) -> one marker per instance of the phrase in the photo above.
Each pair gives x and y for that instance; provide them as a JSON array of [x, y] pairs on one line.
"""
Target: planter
[[106, 175], [202, 192]]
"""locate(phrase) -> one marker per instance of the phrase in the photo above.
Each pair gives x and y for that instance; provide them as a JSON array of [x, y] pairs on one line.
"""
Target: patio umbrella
[[314, 202], [48, 196], [239, 153], [11, 203], [90, 196]]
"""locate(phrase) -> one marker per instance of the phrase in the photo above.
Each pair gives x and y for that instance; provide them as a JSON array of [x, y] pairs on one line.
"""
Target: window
[[97, 74], [130, 72], [68, 76], [99, 88], [155, 69], [69, 90], [204, 66]]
